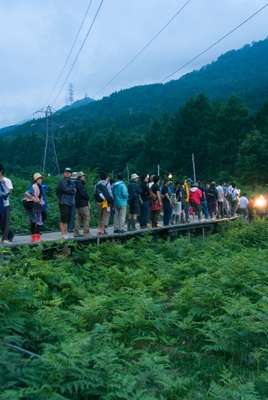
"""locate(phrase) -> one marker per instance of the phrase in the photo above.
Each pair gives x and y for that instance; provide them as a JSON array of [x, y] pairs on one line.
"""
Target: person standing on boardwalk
[[155, 201], [204, 203], [104, 198], [167, 204], [6, 188], [82, 206], [233, 194], [195, 198], [71, 223], [220, 192], [134, 201], [185, 199], [33, 203], [66, 191], [243, 207], [120, 194], [145, 205], [212, 199]]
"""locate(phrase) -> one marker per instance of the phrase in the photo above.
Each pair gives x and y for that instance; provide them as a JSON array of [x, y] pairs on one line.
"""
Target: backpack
[[234, 194], [28, 204], [101, 193], [2, 206]]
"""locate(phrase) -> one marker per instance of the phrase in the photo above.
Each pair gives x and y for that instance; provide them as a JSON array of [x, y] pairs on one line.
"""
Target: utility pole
[[50, 162], [194, 170]]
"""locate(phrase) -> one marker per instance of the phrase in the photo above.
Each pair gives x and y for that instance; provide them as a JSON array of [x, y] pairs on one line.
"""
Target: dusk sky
[[36, 37]]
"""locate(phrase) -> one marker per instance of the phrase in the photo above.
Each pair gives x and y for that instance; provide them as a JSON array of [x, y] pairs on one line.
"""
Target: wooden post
[[194, 170]]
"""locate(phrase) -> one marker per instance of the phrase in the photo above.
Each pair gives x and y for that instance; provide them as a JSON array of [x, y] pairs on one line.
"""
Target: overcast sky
[[36, 35]]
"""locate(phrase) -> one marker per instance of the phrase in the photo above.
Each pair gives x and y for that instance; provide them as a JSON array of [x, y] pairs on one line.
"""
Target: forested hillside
[[153, 124], [242, 73], [228, 141]]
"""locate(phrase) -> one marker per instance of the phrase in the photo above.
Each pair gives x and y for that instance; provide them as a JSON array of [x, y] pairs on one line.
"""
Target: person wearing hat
[[82, 206], [33, 202], [134, 201], [66, 191], [71, 223]]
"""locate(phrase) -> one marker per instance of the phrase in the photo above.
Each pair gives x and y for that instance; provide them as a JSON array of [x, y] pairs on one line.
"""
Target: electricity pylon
[[50, 162]]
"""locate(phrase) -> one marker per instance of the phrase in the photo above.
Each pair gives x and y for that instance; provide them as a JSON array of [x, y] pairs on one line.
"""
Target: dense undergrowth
[[142, 321]]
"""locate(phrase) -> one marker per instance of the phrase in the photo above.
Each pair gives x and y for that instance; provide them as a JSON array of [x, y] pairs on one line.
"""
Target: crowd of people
[[136, 205]]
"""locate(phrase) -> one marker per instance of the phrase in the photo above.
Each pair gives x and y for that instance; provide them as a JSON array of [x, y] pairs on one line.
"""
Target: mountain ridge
[[241, 72]]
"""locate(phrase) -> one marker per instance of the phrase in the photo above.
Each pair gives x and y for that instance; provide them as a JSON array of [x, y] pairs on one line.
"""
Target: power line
[[216, 42], [79, 52], [133, 59], [72, 48]]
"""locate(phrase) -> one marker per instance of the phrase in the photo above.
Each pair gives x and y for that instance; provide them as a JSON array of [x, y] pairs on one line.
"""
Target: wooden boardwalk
[[163, 231]]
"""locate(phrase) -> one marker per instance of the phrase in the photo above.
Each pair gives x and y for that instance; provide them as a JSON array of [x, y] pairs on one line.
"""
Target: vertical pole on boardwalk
[[127, 173], [194, 171], [46, 143], [158, 170]]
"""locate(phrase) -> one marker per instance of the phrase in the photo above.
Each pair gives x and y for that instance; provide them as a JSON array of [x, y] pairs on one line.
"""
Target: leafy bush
[[144, 320]]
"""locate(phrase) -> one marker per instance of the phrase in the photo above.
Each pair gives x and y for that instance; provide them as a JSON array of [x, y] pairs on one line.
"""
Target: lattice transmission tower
[[50, 162]]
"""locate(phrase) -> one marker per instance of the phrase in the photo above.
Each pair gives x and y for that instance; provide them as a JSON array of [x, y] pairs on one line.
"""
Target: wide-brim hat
[[80, 174], [134, 176], [37, 176]]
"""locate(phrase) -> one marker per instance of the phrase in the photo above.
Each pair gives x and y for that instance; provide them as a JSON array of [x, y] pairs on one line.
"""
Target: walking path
[[56, 236], [52, 237]]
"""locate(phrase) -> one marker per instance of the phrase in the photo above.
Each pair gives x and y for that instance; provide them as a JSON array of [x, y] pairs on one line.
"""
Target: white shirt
[[234, 193], [220, 192], [8, 187], [8, 183], [243, 202]]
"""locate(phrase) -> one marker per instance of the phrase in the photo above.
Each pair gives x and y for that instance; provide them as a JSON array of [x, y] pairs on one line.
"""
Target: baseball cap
[[134, 176]]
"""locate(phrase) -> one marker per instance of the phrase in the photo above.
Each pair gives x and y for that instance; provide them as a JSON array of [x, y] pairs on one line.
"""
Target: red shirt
[[195, 196]]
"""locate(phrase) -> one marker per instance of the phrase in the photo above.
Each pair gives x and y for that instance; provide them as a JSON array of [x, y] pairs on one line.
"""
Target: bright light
[[260, 202], [170, 176]]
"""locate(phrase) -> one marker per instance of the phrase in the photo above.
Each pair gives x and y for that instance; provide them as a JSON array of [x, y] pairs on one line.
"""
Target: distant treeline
[[227, 139]]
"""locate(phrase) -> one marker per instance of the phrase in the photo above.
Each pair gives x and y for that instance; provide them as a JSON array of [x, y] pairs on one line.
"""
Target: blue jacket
[[120, 194], [66, 192]]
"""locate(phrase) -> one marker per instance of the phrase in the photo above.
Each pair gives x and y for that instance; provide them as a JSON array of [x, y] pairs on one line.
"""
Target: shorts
[[65, 213], [134, 207]]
